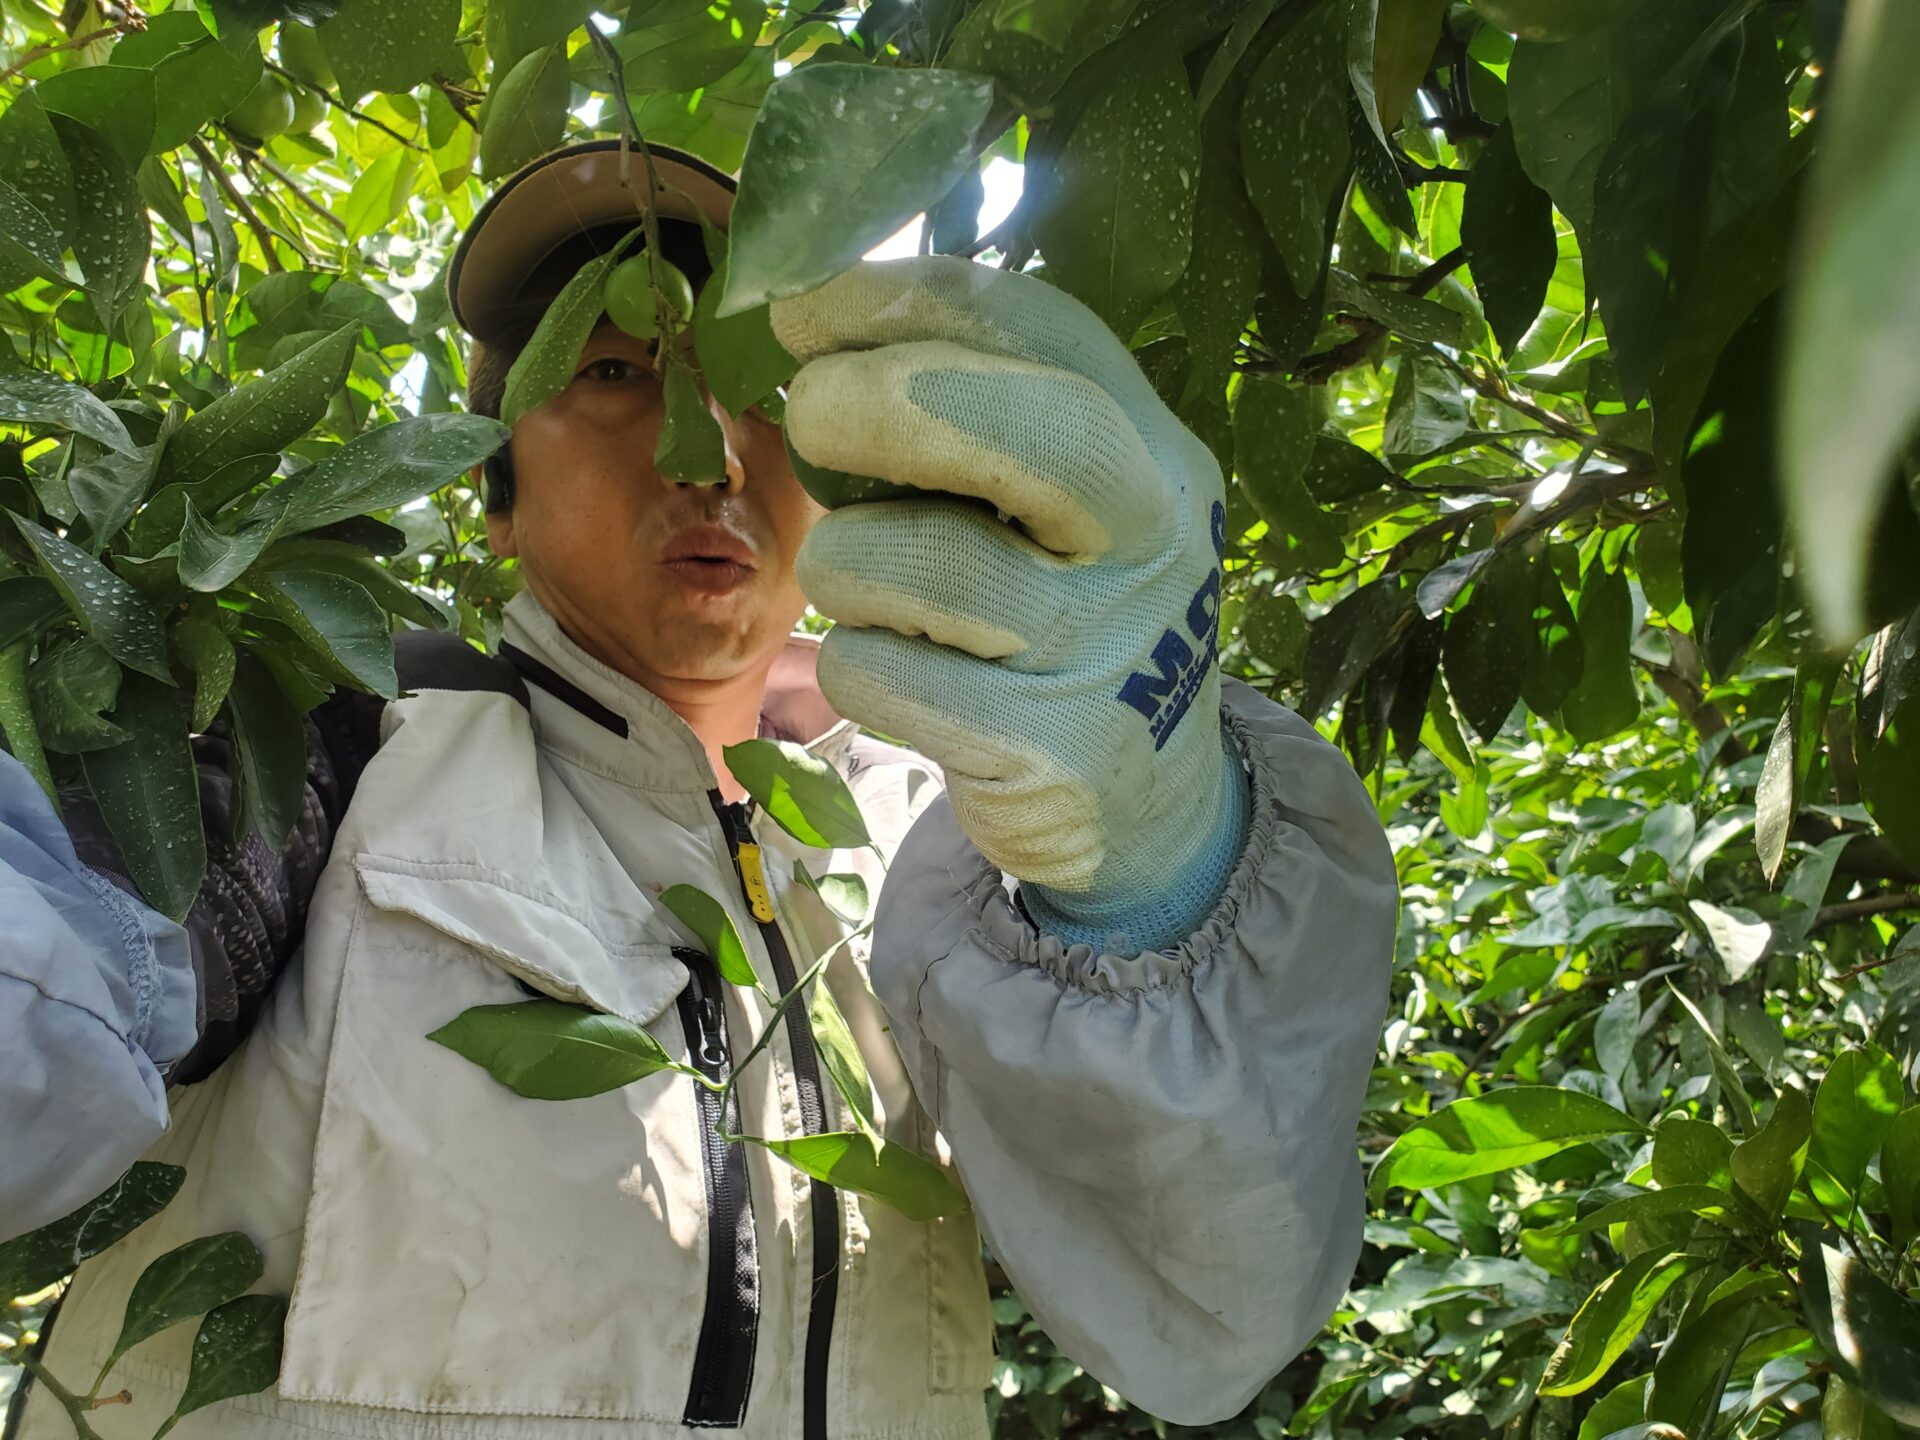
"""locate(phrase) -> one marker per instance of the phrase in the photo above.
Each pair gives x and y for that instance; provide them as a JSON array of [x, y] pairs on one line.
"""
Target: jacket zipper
[[813, 1115], [723, 1359]]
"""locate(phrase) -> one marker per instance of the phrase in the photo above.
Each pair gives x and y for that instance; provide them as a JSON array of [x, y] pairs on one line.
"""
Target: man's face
[[674, 585]]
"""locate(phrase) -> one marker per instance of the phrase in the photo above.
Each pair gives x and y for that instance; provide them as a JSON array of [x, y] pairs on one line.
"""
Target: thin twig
[[261, 230], [338, 104], [460, 100], [1860, 909], [293, 187], [75, 1407], [135, 21]]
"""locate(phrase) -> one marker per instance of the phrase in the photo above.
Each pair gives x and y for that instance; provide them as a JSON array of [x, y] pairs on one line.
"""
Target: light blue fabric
[[97, 999], [1043, 620]]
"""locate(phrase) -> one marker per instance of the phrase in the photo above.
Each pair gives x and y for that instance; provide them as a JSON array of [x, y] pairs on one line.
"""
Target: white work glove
[[1060, 665]]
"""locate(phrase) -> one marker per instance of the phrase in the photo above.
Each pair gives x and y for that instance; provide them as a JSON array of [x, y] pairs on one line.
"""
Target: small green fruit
[[301, 55], [835, 488], [629, 296], [266, 112], [308, 111]]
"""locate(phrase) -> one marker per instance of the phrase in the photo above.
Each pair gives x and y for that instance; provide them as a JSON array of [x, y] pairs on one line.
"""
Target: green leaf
[[33, 397], [379, 196], [1342, 643], [195, 78], [684, 44], [1738, 936], [1485, 651], [70, 688], [203, 644], [211, 560], [546, 365], [547, 1050], [1116, 225], [1497, 1131], [1900, 1176], [111, 239], [1610, 1319], [1606, 701], [1649, 225], [1507, 228], [339, 618], [803, 794], [1389, 48], [709, 921], [109, 488], [1567, 102], [17, 726], [714, 121], [1293, 139], [1766, 1166], [270, 745], [1273, 436], [1790, 755], [186, 1281], [1032, 49], [1691, 1152], [1702, 1200], [1731, 1088], [1275, 632], [29, 245], [115, 100], [1617, 1031], [149, 795], [849, 1160], [1376, 166], [33, 162], [236, 1351], [1853, 1112], [1851, 390], [740, 360], [526, 113], [1426, 411], [518, 27], [1214, 294], [1846, 1414], [1690, 1378], [691, 447], [1620, 1408], [1554, 20], [1887, 736], [261, 417], [33, 1261], [388, 467], [1869, 1330], [840, 1056], [109, 609], [844, 894], [389, 45], [868, 146], [1403, 314], [1730, 552]]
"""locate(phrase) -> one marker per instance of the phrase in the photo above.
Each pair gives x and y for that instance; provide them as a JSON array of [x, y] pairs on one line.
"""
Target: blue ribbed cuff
[[1132, 922]]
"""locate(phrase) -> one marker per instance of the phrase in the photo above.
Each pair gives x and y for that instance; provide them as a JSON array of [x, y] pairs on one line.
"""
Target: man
[[1130, 964]]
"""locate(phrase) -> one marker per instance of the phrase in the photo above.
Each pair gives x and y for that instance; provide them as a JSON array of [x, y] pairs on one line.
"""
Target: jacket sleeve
[[96, 1000], [1161, 1151]]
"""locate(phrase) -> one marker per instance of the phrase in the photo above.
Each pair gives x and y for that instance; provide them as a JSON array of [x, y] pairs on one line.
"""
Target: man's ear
[[500, 537]]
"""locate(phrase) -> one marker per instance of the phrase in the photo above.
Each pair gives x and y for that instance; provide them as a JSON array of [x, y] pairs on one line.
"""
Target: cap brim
[[560, 195]]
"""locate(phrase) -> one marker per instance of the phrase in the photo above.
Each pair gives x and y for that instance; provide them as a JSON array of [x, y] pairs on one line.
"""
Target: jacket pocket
[[469, 1251]]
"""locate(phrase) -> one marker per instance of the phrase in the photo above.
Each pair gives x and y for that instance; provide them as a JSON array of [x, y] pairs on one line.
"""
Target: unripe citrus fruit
[[629, 296], [302, 56], [266, 112], [308, 110]]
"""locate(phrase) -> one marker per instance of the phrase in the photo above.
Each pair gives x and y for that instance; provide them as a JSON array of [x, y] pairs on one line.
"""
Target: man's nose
[[734, 480]]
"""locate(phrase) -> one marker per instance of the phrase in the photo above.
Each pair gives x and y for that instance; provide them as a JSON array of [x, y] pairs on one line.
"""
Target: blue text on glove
[[1179, 669]]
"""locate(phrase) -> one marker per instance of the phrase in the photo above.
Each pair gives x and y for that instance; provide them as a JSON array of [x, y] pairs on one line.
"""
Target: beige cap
[[565, 193]]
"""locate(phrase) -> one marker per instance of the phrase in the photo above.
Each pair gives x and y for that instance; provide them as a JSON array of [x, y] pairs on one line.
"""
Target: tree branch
[[261, 231], [460, 100], [293, 186], [135, 21], [1860, 909]]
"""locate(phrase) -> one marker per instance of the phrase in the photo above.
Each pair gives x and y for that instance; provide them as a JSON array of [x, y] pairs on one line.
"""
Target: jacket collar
[[659, 750]]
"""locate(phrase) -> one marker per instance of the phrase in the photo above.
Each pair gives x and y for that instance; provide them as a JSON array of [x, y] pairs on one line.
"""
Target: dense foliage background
[[1561, 352]]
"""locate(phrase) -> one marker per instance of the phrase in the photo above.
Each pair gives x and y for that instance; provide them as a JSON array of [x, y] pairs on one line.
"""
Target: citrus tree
[[1559, 354]]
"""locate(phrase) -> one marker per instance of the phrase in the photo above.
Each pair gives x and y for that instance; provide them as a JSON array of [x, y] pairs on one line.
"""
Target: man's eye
[[612, 368]]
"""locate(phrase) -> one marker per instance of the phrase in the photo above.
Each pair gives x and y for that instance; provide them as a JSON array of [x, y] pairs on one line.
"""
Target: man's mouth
[[709, 558]]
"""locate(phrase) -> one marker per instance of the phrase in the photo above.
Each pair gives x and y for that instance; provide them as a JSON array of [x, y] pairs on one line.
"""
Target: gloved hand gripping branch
[[1062, 667]]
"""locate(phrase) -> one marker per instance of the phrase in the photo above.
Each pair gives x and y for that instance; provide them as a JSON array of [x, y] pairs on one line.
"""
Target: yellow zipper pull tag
[[758, 896]]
